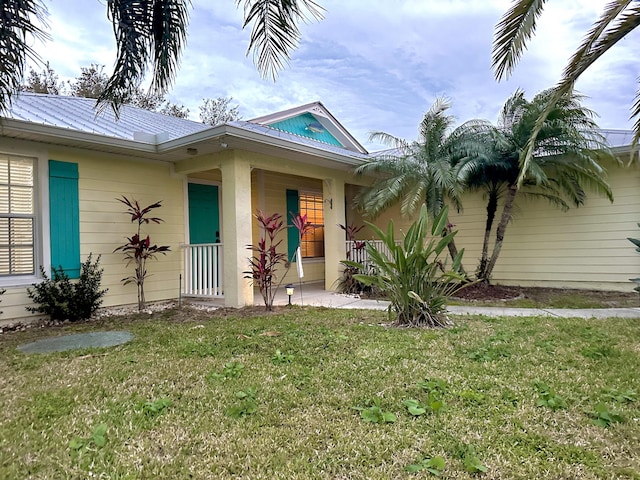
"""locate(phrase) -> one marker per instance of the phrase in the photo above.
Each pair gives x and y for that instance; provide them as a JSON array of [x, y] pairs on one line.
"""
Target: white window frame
[[41, 240]]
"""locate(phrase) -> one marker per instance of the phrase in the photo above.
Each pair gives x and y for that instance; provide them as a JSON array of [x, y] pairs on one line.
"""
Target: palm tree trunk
[[492, 208], [502, 226]]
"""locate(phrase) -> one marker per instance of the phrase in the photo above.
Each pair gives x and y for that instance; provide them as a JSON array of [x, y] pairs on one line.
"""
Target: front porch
[[204, 271]]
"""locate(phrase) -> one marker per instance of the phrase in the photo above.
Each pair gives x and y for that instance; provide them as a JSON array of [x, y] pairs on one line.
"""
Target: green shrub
[[413, 275], [62, 299]]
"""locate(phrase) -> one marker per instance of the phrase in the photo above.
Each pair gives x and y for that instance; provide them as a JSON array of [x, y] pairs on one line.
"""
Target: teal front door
[[204, 214]]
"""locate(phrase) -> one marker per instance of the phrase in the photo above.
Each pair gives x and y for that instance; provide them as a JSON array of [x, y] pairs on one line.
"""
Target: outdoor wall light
[[315, 127], [289, 289]]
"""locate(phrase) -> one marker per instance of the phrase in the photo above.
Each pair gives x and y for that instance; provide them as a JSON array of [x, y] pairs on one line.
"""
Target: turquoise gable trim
[[299, 126], [64, 217]]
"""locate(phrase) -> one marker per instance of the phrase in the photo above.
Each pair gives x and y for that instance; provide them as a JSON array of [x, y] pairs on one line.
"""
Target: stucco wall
[[268, 193]]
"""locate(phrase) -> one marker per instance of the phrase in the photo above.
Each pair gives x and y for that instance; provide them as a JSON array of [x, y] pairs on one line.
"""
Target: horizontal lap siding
[[584, 247], [104, 225]]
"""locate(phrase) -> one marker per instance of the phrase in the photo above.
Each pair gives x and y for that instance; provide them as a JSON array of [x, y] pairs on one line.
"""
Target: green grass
[[521, 396]]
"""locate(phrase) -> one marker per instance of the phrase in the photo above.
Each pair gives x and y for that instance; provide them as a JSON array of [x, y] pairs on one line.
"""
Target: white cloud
[[377, 65]]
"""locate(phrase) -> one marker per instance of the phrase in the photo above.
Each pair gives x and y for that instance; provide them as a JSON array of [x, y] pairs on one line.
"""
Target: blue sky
[[377, 65]]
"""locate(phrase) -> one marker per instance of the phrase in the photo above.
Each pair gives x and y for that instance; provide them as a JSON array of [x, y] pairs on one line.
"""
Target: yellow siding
[[586, 247], [104, 225]]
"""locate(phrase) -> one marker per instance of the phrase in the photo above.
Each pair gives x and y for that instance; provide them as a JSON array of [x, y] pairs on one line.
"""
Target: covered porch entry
[[222, 194]]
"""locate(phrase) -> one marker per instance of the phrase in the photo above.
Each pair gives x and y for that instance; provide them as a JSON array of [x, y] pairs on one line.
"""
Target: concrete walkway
[[315, 295]]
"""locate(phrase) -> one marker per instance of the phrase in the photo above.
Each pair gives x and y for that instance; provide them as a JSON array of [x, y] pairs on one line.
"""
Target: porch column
[[236, 230], [334, 243]]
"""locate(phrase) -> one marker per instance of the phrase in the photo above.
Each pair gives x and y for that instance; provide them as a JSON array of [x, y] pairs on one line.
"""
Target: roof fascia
[[240, 133], [61, 133]]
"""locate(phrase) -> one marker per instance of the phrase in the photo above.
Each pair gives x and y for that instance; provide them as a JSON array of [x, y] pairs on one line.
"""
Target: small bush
[[61, 299]]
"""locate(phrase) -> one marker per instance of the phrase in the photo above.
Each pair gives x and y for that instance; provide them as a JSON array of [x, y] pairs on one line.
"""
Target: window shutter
[[64, 217], [293, 207]]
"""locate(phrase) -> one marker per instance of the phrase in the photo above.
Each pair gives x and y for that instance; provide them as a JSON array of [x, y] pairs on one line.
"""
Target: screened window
[[17, 215], [312, 245]]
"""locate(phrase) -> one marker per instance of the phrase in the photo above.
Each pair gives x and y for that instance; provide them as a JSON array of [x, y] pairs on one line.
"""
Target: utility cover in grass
[[80, 340]]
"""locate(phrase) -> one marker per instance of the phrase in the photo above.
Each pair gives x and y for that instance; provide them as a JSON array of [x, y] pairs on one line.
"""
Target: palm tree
[[518, 25], [149, 34], [568, 150], [430, 171]]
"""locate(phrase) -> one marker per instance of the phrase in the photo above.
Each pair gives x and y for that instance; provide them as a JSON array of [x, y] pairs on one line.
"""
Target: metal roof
[[618, 138], [77, 113], [150, 130]]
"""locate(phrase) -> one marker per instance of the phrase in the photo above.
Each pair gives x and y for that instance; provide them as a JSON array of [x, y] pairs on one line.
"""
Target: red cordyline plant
[[351, 230], [301, 223], [138, 248], [265, 260]]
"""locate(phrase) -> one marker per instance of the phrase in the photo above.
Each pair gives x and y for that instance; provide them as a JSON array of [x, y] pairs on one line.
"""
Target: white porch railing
[[203, 274], [360, 254]]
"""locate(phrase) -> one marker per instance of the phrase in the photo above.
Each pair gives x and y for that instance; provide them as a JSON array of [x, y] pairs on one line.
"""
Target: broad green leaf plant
[[414, 275]]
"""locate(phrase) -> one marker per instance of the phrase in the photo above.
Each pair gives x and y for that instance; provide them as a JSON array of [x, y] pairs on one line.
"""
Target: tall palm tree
[[518, 25], [149, 34], [430, 170], [568, 151]]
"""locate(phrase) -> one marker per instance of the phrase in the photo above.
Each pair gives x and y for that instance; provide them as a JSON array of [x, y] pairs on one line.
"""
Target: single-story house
[[63, 168]]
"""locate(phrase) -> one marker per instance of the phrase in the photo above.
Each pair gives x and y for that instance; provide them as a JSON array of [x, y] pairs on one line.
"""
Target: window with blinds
[[17, 215], [312, 244]]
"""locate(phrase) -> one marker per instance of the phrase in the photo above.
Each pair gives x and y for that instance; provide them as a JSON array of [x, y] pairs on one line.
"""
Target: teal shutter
[[293, 207], [64, 217]]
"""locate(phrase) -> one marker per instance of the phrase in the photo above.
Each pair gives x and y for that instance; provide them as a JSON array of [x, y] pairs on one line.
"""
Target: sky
[[377, 65]]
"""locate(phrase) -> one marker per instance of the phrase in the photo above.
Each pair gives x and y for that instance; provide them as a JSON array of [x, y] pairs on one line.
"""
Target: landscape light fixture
[[289, 289]]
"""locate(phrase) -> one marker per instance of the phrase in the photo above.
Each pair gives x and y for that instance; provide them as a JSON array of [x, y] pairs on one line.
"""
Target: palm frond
[[146, 33], [635, 113], [275, 32], [169, 28], [513, 31], [19, 21], [599, 39], [602, 36]]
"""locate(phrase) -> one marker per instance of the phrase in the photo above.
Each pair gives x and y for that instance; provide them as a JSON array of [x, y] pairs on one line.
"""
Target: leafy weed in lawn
[[157, 407], [246, 405], [433, 385], [603, 417], [98, 439], [470, 460], [626, 396], [472, 396], [373, 413], [414, 407], [547, 397], [230, 370], [433, 465], [280, 358]]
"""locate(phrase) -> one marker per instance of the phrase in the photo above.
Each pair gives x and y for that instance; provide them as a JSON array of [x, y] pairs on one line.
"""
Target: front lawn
[[197, 395]]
